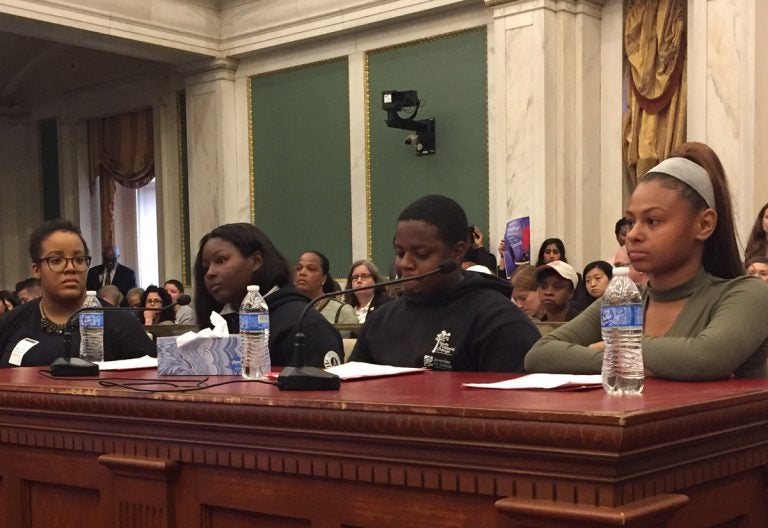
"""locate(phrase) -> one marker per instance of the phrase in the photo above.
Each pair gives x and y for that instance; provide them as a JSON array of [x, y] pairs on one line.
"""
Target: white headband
[[689, 173]]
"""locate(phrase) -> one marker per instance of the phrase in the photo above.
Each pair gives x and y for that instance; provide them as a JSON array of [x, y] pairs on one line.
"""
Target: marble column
[[545, 122], [217, 193], [727, 81]]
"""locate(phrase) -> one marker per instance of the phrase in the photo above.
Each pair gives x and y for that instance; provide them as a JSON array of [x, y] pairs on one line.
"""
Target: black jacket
[[124, 337], [124, 278], [285, 307], [471, 327]]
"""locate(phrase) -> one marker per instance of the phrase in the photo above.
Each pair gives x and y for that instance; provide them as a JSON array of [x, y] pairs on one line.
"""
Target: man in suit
[[110, 272]]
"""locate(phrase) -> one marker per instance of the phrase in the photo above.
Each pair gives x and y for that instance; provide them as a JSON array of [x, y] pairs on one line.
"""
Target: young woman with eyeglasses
[[365, 273], [33, 333]]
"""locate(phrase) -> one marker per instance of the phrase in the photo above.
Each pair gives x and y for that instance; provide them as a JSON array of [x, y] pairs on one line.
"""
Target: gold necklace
[[48, 326]]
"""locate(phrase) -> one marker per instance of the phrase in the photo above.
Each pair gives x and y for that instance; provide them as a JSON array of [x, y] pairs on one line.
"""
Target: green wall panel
[[301, 161], [450, 76]]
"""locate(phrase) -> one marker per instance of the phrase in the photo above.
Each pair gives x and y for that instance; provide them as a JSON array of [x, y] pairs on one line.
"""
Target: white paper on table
[[543, 381], [128, 364], [359, 369]]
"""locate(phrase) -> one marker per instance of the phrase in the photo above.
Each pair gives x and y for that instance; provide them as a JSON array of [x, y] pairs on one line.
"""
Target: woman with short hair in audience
[[757, 245], [156, 297], [596, 275], [525, 291], [758, 267], [60, 260], [184, 314], [312, 277], [365, 273], [704, 320], [234, 256]]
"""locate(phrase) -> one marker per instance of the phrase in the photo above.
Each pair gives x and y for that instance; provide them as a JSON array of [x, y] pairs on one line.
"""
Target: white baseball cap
[[563, 269]]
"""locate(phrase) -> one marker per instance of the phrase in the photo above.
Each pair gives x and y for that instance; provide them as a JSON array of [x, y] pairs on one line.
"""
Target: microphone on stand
[[69, 366], [299, 377]]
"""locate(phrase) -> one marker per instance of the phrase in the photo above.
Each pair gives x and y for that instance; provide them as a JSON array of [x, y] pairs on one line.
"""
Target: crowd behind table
[[704, 300]]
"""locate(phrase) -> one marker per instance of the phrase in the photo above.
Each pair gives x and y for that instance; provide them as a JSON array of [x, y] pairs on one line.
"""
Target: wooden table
[[408, 451]]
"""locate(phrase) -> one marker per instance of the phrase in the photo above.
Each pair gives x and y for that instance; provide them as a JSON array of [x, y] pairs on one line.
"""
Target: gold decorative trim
[[368, 201], [181, 140], [367, 96], [251, 164], [251, 168]]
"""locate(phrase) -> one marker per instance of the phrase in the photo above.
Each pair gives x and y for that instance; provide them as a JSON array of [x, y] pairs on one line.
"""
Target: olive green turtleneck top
[[721, 331]]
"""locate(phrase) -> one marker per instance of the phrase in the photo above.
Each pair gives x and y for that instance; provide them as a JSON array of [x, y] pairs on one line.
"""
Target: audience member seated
[[757, 245], [447, 321], [758, 267], [365, 273], [525, 291], [133, 297], [111, 294], [60, 260], [597, 275], [477, 254], [156, 297], [184, 315], [551, 249], [8, 301], [28, 290], [704, 320], [233, 256], [557, 282], [621, 229], [313, 278]]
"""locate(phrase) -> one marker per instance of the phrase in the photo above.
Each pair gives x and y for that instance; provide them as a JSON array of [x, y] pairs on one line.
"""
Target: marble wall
[[728, 54], [554, 80], [21, 208]]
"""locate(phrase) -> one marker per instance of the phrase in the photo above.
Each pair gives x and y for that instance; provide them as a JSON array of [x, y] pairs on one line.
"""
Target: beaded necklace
[[48, 326]]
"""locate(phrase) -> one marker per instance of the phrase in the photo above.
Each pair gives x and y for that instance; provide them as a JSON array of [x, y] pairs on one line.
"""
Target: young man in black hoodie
[[447, 321]]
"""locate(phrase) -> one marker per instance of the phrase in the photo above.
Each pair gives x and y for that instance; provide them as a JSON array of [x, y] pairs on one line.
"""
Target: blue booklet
[[517, 237]]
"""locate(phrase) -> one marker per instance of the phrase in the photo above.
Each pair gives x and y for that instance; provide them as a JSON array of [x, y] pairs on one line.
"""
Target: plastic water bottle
[[621, 320], [254, 335], [92, 330]]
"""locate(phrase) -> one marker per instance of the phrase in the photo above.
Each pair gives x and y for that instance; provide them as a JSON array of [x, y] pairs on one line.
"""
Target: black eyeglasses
[[59, 264], [363, 276]]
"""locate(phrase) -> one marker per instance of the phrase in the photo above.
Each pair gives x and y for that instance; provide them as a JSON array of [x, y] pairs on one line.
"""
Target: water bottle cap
[[90, 293], [253, 287], [621, 270]]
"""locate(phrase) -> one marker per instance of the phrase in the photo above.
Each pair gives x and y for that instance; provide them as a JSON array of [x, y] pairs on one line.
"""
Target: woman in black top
[[33, 334], [233, 256]]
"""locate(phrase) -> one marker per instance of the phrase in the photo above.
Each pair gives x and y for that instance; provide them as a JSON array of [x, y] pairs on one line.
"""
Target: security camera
[[423, 135], [395, 100]]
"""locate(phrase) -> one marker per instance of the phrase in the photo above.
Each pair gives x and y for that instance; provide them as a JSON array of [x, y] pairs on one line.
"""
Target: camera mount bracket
[[425, 130]]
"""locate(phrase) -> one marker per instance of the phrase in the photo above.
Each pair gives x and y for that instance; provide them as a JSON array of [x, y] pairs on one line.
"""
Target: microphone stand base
[[73, 367], [307, 379]]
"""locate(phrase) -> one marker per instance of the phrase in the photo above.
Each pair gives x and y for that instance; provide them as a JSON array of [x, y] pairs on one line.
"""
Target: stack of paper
[[544, 381]]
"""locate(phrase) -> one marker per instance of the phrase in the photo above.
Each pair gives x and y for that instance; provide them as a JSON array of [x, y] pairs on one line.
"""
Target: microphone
[[69, 366], [299, 377]]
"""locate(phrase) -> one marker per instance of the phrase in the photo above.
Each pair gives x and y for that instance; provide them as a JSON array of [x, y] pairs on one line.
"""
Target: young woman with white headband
[[703, 319]]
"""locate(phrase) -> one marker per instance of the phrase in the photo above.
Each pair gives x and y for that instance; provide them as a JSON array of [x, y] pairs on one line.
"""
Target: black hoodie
[[285, 306], [473, 326]]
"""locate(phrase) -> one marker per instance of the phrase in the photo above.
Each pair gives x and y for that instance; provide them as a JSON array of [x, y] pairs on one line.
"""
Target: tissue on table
[[207, 352]]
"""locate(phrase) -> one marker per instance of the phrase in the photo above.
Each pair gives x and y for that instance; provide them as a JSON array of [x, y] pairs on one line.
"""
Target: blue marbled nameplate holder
[[210, 356]]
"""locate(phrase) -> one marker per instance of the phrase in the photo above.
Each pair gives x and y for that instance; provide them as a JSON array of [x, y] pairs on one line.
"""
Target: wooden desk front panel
[[401, 452]]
